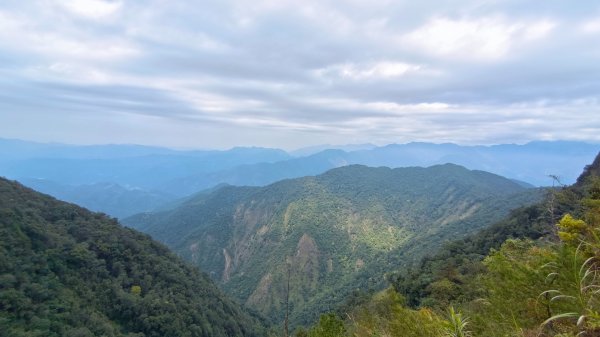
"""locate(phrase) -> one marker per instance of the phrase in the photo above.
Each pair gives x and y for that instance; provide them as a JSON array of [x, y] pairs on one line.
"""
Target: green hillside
[[65, 271], [332, 233], [461, 260], [536, 273]]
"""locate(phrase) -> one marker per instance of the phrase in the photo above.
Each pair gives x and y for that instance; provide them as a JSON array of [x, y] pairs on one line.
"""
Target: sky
[[287, 74]]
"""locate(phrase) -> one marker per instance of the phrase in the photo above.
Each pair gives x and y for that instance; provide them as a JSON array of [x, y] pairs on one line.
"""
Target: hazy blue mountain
[[182, 200], [110, 198], [19, 149], [339, 231], [530, 163], [310, 150], [144, 172], [522, 183], [182, 173], [259, 174], [128, 165]]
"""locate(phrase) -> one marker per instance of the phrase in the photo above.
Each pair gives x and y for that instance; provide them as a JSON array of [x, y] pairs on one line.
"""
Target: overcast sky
[[216, 74]]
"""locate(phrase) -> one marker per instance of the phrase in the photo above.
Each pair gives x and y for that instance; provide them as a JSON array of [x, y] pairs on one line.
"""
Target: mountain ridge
[[332, 229], [183, 173]]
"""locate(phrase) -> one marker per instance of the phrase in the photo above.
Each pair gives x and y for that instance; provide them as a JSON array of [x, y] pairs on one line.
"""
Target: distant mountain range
[[110, 198], [309, 150], [153, 173], [127, 165], [120, 180], [335, 232]]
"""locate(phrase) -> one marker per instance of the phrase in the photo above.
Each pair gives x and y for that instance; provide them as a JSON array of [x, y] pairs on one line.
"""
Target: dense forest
[[329, 234], [535, 273], [68, 272]]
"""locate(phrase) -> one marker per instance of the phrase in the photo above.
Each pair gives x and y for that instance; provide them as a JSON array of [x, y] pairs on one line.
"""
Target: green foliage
[[329, 326], [575, 300], [571, 230], [65, 271], [510, 289], [340, 231], [544, 288], [457, 325], [387, 315], [136, 290]]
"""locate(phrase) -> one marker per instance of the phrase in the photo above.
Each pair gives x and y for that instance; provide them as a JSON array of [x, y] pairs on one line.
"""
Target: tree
[[136, 290], [330, 325]]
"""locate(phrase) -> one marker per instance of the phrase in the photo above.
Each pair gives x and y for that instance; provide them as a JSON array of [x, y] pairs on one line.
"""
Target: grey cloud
[[259, 69], [64, 100]]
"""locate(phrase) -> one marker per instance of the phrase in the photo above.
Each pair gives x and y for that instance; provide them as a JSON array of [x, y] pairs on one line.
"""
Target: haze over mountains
[[101, 176]]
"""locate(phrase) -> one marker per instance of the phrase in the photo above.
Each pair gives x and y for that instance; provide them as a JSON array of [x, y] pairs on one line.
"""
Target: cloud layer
[[288, 73]]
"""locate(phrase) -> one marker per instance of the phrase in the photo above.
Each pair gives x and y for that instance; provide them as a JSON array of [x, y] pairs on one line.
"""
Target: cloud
[[591, 26], [377, 70], [482, 39], [288, 73], [26, 35], [93, 9]]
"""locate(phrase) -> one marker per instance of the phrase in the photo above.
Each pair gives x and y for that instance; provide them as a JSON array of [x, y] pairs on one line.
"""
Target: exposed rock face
[[306, 264], [227, 268], [303, 271], [306, 253], [262, 291]]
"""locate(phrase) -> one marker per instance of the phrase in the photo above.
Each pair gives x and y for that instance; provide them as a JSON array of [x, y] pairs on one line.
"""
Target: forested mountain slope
[[533, 274], [332, 233], [65, 271], [440, 278]]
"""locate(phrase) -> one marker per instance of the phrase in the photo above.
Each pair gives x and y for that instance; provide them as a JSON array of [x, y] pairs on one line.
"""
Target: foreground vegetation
[[65, 271]]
